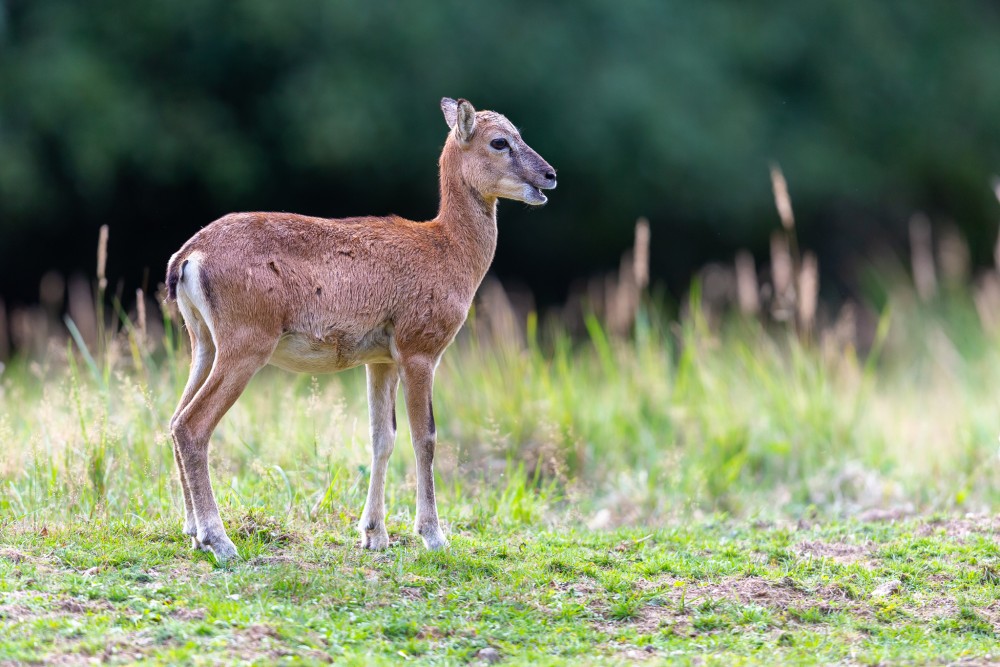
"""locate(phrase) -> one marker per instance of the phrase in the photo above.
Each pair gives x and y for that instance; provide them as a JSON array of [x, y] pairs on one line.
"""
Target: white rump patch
[[191, 298]]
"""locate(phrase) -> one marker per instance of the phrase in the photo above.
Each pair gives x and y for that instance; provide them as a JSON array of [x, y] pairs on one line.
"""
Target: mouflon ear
[[449, 108], [466, 122]]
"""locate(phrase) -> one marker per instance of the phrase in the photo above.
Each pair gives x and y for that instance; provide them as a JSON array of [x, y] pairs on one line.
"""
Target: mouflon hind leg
[[202, 356], [193, 428], [382, 382]]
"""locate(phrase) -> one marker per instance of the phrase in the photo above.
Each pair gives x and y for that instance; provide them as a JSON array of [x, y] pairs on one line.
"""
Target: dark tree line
[[156, 117]]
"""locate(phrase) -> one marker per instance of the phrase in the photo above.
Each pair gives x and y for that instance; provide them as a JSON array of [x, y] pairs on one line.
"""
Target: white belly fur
[[305, 353]]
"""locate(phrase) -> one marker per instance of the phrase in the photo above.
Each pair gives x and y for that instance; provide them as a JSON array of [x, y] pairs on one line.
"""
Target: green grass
[[719, 591], [718, 494]]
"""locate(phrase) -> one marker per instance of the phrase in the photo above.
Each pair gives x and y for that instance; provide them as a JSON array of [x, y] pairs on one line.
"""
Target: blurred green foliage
[[158, 116]]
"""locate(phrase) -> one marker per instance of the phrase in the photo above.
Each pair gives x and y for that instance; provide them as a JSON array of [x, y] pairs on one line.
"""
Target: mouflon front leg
[[418, 382]]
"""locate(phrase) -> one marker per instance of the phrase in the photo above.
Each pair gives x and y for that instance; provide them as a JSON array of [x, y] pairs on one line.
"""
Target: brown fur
[[322, 295]]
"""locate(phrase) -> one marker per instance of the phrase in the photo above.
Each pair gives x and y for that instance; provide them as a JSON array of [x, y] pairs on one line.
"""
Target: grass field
[[712, 592], [699, 491]]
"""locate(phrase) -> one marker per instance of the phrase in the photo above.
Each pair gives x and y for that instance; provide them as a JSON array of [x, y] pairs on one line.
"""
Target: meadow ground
[[717, 592], [699, 491]]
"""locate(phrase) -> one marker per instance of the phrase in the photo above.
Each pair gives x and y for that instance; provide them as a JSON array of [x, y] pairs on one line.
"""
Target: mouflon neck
[[465, 214]]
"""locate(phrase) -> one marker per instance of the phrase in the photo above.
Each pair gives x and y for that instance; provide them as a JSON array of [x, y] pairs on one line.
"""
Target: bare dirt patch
[[933, 608], [15, 612], [72, 607], [778, 595], [650, 619], [255, 642], [677, 602], [127, 648], [13, 555], [992, 614], [282, 559], [638, 655], [260, 642], [940, 607], [185, 614], [585, 586], [83, 606], [264, 528], [17, 557], [970, 524], [30, 605], [22, 605], [412, 593], [838, 552]]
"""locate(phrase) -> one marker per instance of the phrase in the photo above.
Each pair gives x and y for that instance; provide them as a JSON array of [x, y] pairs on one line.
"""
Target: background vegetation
[[157, 117]]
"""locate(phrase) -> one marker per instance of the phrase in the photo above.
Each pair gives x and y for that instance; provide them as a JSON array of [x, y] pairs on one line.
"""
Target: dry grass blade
[[782, 272], [641, 254], [781, 198], [83, 310], [808, 292], [102, 257], [922, 257], [747, 289], [140, 308], [953, 257]]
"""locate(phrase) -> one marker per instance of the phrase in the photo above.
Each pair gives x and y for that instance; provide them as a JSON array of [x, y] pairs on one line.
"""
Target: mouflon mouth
[[535, 196]]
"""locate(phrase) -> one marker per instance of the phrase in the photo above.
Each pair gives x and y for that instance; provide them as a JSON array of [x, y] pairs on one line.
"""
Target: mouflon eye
[[499, 144]]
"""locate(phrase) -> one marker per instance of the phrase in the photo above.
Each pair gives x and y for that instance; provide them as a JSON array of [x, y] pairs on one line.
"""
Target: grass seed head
[[782, 201], [102, 257]]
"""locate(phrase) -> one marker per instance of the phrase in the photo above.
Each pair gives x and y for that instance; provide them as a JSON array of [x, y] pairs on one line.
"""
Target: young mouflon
[[317, 295]]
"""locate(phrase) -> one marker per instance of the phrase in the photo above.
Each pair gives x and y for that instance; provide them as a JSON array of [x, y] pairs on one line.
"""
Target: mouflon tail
[[175, 273]]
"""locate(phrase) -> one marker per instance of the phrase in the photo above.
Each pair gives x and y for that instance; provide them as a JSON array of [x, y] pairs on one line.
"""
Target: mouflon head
[[495, 160]]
